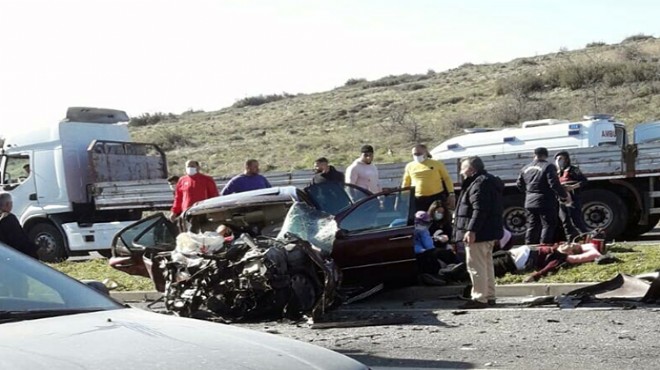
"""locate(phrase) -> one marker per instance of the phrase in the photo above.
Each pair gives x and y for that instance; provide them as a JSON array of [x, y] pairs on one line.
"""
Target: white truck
[[623, 192], [56, 175]]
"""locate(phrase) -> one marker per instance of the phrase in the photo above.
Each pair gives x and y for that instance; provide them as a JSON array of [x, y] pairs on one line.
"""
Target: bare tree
[[401, 120]]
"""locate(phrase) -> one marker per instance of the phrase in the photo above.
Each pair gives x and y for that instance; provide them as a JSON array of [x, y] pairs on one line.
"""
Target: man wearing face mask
[[250, 179], [324, 172], [362, 172], [192, 188], [430, 179], [479, 224], [571, 178]]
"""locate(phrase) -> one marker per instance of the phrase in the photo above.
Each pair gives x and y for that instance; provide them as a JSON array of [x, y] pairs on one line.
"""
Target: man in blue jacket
[[479, 225]]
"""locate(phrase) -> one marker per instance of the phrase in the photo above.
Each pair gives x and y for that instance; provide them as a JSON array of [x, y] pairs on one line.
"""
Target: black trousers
[[571, 220], [424, 202], [541, 225]]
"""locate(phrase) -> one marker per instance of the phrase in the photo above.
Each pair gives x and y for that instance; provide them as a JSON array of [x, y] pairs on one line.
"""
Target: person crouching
[[425, 251]]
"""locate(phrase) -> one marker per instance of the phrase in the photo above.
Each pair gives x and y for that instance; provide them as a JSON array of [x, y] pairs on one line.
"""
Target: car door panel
[[375, 243], [130, 244]]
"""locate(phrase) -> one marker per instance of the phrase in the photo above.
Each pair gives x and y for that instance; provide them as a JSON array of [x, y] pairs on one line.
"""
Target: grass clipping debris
[[635, 259]]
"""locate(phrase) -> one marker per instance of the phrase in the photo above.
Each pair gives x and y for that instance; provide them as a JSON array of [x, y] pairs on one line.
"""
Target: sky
[[172, 56]]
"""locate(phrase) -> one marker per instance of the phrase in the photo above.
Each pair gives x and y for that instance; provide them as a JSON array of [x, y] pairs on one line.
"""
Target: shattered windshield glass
[[307, 223]]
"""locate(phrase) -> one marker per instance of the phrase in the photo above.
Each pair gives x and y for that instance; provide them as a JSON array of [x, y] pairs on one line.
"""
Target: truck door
[[18, 179]]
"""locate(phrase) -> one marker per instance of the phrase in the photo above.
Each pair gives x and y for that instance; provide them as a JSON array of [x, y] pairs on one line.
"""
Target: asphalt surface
[[435, 334]]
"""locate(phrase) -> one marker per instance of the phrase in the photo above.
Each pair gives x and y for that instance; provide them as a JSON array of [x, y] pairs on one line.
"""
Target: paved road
[[434, 335]]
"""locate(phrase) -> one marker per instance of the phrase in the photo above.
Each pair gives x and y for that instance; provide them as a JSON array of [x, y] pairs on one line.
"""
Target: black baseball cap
[[367, 149]]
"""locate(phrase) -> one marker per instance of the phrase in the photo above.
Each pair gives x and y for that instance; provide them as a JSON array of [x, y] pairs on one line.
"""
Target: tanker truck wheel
[[606, 210], [50, 242]]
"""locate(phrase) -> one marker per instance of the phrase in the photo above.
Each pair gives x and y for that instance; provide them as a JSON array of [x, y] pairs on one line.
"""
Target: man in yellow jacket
[[430, 179]]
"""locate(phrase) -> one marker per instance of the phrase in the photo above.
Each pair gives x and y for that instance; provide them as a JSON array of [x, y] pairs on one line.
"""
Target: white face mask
[[419, 158], [438, 216], [172, 187], [560, 163], [191, 171]]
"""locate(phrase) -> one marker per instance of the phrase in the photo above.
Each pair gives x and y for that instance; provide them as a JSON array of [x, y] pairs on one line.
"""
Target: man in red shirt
[[192, 188]]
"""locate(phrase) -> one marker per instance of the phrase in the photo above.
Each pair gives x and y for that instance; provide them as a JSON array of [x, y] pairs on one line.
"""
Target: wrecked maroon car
[[288, 250]]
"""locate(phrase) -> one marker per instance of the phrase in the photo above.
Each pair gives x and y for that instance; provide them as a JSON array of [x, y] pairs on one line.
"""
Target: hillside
[[393, 112]]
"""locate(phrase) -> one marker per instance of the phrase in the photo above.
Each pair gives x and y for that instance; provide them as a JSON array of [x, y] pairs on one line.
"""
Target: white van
[[553, 134]]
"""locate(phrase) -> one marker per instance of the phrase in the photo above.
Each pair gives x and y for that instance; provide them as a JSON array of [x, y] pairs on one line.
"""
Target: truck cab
[[48, 173], [554, 134]]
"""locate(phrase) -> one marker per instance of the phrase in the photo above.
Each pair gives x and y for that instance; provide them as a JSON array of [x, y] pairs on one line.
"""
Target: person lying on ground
[[540, 261]]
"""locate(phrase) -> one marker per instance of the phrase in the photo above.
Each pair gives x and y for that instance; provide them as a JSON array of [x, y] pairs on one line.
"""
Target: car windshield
[[30, 290], [333, 197]]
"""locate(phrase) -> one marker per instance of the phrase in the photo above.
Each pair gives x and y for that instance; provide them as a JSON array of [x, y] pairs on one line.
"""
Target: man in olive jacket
[[479, 225]]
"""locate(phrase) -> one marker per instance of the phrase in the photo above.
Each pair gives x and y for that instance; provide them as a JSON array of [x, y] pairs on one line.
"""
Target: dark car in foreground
[[51, 321], [370, 241]]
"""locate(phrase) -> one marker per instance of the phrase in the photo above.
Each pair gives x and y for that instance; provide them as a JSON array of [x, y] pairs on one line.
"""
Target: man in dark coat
[[323, 172], [541, 185], [479, 225], [11, 232], [572, 179]]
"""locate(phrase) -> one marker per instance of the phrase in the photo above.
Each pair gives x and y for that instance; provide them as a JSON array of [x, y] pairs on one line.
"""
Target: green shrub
[[147, 119], [169, 140], [395, 80], [637, 37], [355, 81], [523, 84], [260, 99], [595, 44]]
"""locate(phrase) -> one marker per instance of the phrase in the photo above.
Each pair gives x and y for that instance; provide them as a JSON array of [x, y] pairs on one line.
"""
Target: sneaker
[[472, 304]]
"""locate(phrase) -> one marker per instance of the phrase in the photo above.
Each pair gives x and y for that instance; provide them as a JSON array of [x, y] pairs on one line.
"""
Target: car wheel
[[50, 242], [634, 230], [605, 210]]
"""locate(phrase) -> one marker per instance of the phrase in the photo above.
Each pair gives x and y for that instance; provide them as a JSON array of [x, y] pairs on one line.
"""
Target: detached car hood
[[136, 339]]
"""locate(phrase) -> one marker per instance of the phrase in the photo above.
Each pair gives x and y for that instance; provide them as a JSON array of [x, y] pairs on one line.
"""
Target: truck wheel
[[606, 210], [50, 242], [635, 230], [515, 217]]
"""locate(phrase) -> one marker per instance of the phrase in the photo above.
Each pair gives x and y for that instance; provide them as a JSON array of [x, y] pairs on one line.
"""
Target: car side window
[[382, 212]]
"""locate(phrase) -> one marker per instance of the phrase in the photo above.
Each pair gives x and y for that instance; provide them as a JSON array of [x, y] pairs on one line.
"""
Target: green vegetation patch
[[98, 269]]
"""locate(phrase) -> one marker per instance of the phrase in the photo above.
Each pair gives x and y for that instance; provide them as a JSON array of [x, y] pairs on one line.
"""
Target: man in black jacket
[[11, 232], [479, 224], [541, 185], [324, 172], [572, 179]]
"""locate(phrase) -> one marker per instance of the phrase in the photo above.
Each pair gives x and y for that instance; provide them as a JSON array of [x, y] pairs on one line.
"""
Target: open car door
[[374, 243], [130, 244]]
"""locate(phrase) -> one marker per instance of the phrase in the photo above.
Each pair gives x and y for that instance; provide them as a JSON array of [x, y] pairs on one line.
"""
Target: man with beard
[[362, 172], [323, 172], [479, 225]]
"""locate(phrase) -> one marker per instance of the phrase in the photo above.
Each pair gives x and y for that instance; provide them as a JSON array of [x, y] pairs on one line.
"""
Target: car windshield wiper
[[12, 316]]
